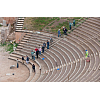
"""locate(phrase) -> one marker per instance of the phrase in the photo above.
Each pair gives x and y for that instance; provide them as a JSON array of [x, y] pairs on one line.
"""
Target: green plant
[[58, 19], [24, 27], [3, 44], [40, 29], [0, 25]]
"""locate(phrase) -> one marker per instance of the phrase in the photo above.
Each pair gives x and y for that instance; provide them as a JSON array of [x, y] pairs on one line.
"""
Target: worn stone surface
[[4, 23], [20, 74]]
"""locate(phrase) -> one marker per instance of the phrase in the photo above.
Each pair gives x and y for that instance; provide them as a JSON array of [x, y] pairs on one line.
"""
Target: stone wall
[[3, 35], [5, 31]]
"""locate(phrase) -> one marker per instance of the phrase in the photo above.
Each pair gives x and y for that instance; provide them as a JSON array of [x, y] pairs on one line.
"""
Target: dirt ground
[[20, 74]]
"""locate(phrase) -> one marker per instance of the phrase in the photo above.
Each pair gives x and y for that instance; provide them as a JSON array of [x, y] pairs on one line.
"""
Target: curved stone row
[[67, 54]]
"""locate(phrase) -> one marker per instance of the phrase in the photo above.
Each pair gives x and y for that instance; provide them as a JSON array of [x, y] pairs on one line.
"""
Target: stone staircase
[[19, 25]]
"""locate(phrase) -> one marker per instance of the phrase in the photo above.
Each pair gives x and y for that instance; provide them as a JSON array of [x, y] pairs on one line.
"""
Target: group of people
[[65, 29], [36, 53], [27, 61], [40, 49], [70, 24]]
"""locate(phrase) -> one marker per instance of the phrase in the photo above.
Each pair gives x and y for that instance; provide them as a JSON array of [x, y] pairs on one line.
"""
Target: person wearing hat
[[59, 33], [86, 53], [70, 24]]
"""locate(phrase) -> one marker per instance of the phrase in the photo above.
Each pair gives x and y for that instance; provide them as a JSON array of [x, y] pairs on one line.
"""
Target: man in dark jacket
[[43, 49], [37, 53], [22, 59], [65, 30], [44, 44], [33, 67], [27, 59], [47, 44]]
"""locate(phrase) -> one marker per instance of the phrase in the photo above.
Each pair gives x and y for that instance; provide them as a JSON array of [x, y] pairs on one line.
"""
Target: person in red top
[[36, 49]]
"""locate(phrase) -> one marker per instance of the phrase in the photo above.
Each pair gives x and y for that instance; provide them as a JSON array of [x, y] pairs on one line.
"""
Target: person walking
[[40, 50], [74, 22], [37, 52], [59, 33], [43, 49], [27, 59], [47, 44], [22, 59], [17, 63], [33, 68]]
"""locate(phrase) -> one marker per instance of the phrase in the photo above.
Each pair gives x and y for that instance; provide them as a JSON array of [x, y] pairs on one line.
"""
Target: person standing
[[36, 49], [44, 45], [51, 40], [65, 30], [86, 53], [27, 59], [22, 59], [47, 44], [37, 52], [43, 49], [40, 50], [70, 25], [32, 54], [33, 68], [74, 22], [59, 33], [17, 63]]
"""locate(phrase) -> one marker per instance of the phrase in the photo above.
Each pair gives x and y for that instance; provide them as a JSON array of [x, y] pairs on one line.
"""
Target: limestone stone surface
[[20, 74]]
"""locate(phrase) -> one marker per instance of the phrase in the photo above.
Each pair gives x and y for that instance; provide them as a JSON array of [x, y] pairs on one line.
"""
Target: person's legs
[[17, 65], [40, 52], [37, 55], [34, 70], [70, 27], [34, 57], [58, 35], [43, 50], [47, 46]]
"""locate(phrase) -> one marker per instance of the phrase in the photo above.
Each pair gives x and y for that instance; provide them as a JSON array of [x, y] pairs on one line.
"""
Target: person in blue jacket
[[74, 22], [70, 24], [59, 33], [47, 44]]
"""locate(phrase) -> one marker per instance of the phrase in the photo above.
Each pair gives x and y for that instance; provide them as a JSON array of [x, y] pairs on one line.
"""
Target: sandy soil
[[20, 74]]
